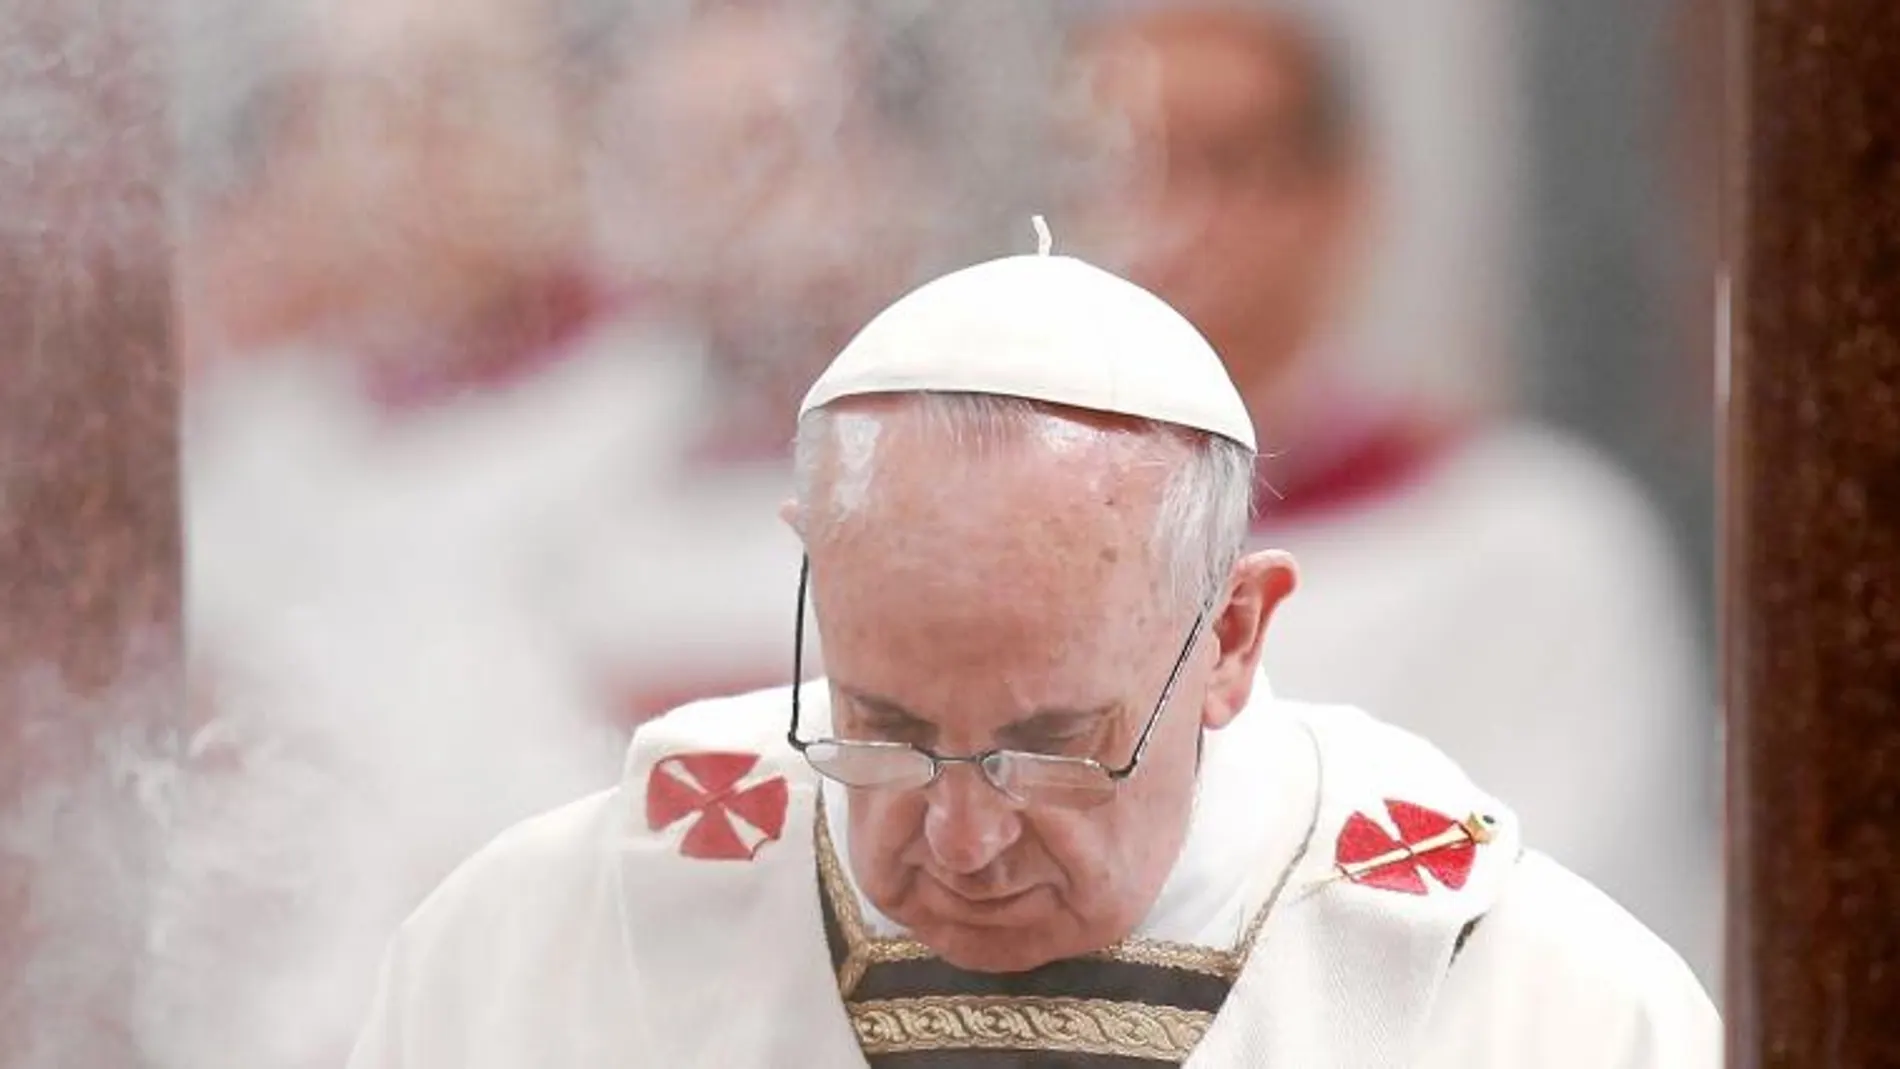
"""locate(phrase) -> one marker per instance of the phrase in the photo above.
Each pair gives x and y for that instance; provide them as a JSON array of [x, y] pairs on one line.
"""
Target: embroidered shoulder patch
[[1427, 842], [732, 820]]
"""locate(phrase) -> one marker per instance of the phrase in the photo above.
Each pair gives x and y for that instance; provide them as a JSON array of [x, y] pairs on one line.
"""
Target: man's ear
[[1261, 582], [788, 514]]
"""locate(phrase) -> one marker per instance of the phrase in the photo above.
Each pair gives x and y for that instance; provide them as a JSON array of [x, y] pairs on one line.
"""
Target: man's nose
[[969, 822]]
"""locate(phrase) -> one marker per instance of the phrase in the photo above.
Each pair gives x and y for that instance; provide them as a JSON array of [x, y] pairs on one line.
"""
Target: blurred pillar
[[89, 539], [1812, 556]]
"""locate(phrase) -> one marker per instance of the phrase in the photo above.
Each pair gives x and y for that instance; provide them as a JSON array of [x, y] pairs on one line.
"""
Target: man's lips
[[978, 904], [991, 899], [973, 890]]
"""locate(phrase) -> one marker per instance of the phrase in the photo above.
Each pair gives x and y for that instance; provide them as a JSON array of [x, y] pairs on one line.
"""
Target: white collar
[[1253, 809]]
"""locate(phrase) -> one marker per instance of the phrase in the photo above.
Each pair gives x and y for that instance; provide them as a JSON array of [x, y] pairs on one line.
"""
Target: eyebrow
[[1047, 719]]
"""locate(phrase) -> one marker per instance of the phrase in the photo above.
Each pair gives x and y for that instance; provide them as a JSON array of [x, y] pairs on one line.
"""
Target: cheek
[[1151, 814], [1087, 850], [884, 830]]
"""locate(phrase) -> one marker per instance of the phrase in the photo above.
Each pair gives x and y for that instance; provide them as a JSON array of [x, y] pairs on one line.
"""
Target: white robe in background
[[601, 935], [378, 601]]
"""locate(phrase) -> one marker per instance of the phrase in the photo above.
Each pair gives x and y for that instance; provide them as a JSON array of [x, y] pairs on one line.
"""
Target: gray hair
[[1201, 521]]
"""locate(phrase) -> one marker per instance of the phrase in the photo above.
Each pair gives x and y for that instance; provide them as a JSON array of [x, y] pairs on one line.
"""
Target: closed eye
[[1064, 734], [1076, 745], [910, 732], [867, 721]]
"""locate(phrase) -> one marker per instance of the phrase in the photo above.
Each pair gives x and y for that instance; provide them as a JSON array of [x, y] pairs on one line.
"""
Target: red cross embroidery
[[731, 823], [1429, 841]]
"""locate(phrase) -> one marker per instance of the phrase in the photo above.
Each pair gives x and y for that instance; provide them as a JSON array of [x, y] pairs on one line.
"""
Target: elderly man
[[1044, 810]]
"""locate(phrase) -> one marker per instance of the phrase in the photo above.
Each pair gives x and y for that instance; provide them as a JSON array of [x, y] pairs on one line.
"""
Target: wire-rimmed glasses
[[1030, 779]]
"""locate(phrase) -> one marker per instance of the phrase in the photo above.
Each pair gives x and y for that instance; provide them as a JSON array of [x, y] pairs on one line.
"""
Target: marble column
[[89, 532], [1812, 550]]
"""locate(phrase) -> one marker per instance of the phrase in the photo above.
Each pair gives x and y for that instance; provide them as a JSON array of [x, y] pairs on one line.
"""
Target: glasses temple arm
[[798, 651], [1167, 692]]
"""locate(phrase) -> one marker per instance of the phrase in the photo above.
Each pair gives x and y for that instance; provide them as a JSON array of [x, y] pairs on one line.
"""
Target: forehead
[[1034, 528], [966, 470]]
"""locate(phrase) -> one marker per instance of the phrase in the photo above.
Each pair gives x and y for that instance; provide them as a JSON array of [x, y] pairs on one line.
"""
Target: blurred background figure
[[399, 187], [768, 174], [758, 174], [753, 177], [1487, 582], [408, 390]]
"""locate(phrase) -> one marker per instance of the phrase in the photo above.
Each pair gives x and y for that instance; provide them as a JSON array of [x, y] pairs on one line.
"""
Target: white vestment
[[1517, 604], [684, 919]]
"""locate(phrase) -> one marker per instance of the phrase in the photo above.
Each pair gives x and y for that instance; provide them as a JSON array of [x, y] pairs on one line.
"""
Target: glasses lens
[[870, 765], [1039, 779]]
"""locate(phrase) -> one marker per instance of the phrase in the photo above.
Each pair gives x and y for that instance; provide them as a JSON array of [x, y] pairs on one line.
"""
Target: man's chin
[[989, 950]]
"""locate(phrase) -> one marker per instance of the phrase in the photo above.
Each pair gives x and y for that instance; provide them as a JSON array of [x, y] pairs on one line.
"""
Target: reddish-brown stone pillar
[[1812, 558], [89, 530]]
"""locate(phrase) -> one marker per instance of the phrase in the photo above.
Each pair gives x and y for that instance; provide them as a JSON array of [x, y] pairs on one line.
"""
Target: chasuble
[[1376, 910]]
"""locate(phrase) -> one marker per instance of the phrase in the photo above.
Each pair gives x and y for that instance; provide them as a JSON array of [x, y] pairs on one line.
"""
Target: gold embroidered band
[[1066, 1025], [864, 950]]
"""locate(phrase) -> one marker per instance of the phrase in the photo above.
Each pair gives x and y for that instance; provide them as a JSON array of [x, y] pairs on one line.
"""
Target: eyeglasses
[[1025, 778]]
